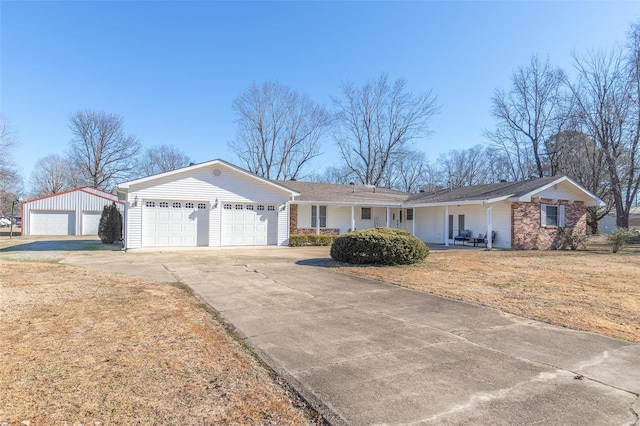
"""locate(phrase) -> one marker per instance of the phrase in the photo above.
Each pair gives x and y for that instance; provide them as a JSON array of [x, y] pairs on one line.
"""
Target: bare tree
[[279, 130], [527, 115], [50, 175], [408, 172], [575, 154], [606, 96], [163, 158], [464, 167], [376, 123], [11, 184], [100, 151]]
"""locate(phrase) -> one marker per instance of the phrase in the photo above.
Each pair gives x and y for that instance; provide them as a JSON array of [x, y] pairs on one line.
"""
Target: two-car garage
[[210, 204], [180, 223], [75, 212]]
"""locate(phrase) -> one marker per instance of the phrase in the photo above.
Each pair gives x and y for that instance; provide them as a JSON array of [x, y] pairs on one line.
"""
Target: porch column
[[353, 218], [317, 219], [489, 227], [446, 226], [388, 217], [413, 222]]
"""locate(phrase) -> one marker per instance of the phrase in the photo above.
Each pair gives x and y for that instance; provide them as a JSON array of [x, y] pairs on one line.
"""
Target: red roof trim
[[83, 189]]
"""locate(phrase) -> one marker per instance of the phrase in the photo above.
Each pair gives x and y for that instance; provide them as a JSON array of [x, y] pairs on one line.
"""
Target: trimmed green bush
[[379, 246], [320, 240], [298, 240], [110, 226]]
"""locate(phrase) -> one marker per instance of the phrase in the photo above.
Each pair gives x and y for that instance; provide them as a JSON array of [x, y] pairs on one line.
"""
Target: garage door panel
[[45, 222], [90, 222], [248, 224], [175, 224]]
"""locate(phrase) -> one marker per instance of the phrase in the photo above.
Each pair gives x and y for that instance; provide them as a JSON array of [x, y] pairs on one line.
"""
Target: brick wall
[[293, 225], [527, 234]]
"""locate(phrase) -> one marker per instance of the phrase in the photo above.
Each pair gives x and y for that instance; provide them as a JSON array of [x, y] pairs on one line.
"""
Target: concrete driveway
[[364, 352]]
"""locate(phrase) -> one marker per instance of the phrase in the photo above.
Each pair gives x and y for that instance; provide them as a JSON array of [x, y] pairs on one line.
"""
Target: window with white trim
[[227, 206], [365, 213], [551, 215], [271, 208], [239, 206], [188, 205], [323, 216], [177, 205], [150, 203], [249, 207], [164, 204], [409, 214], [260, 207], [202, 206]]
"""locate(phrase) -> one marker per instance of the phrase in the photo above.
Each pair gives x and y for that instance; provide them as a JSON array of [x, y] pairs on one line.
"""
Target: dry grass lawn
[[591, 290], [84, 347]]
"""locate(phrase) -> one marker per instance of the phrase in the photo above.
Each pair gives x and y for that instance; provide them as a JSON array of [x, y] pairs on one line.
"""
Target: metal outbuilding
[[73, 212]]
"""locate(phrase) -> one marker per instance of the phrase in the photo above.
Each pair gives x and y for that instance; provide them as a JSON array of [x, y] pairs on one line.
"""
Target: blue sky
[[172, 69]]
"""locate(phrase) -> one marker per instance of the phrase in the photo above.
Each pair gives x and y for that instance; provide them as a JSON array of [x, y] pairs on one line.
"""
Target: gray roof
[[481, 192], [348, 194]]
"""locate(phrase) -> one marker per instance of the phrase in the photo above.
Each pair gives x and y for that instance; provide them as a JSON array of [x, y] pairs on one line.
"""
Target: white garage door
[[47, 222], [90, 222], [249, 224], [175, 224]]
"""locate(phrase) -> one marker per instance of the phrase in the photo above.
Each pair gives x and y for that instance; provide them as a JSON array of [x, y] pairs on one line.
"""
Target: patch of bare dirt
[[79, 346], [591, 290]]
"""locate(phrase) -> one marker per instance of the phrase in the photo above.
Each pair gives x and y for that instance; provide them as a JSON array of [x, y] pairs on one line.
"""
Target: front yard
[[591, 290], [83, 347]]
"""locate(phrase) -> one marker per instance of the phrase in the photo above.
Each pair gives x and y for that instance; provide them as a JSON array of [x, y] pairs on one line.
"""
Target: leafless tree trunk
[[100, 151], [163, 158], [50, 175], [11, 184], [527, 115], [606, 95], [575, 154], [279, 130], [376, 123]]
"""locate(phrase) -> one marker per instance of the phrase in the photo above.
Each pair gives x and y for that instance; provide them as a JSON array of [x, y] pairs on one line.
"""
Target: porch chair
[[483, 240], [464, 235]]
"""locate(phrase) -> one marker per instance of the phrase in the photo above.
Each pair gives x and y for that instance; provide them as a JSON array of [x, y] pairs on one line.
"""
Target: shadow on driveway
[[61, 245]]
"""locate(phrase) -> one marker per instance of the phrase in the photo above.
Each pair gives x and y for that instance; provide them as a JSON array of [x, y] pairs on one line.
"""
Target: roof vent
[[217, 172], [503, 181], [351, 183], [192, 164], [292, 179], [421, 191]]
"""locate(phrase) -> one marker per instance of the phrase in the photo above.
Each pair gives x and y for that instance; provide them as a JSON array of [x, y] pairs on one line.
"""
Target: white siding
[[283, 226], [562, 191], [430, 225], [201, 185], [77, 201]]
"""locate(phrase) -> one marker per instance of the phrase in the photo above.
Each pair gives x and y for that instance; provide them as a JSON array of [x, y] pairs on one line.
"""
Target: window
[[164, 205], [249, 207], [271, 208], [227, 206], [365, 213], [188, 205], [203, 206], [323, 216], [552, 215], [409, 214], [260, 208], [150, 204], [177, 205], [239, 206]]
